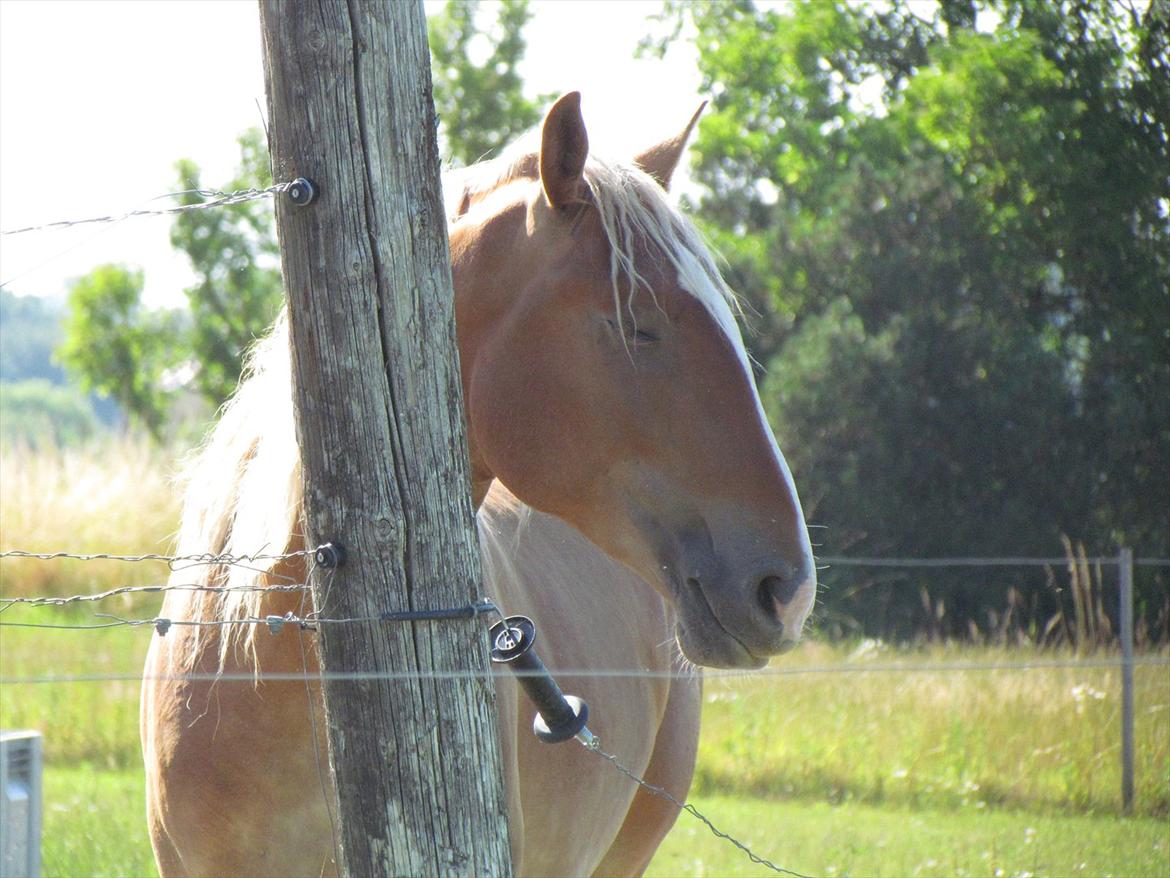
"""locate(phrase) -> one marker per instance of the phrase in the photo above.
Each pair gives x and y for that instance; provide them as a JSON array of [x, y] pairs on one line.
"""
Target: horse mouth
[[703, 637]]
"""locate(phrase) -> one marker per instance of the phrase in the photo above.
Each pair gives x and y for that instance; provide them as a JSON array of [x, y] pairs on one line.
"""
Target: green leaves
[[953, 223], [119, 348], [478, 92], [234, 255]]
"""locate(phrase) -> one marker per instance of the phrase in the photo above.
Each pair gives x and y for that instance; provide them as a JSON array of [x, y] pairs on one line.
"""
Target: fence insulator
[[558, 716]]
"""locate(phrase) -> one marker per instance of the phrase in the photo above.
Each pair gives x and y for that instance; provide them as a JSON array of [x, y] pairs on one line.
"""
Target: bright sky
[[99, 98]]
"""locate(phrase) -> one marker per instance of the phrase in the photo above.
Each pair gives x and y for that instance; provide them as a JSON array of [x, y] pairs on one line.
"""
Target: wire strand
[[209, 558], [204, 558], [594, 746], [359, 675], [983, 562], [219, 199], [142, 589]]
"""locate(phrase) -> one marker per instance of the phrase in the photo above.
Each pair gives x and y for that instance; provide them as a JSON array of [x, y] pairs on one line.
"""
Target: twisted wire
[[140, 589], [219, 199], [202, 558]]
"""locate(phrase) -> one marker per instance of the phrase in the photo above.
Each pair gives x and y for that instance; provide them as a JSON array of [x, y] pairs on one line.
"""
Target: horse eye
[[633, 333]]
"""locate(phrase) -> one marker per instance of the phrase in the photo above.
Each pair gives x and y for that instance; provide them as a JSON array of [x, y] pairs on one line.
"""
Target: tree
[[119, 348], [481, 106], [232, 249], [954, 227], [233, 253]]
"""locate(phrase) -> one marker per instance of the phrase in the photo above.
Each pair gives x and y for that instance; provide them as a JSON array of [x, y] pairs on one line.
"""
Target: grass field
[[836, 763], [856, 772]]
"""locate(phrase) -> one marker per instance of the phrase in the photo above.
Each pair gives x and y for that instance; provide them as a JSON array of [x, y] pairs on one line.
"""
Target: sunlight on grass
[[1046, 738], [855, 839], [94, 824], [91, 720]]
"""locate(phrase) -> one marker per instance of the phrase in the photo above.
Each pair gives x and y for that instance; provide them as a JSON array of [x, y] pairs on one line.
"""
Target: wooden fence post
[[415, 758]]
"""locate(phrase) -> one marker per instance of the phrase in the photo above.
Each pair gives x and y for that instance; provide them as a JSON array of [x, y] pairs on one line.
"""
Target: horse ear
[[564, 145], [660, 160]]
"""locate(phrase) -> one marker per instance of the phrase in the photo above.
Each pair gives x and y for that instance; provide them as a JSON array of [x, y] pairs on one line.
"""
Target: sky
[[99, 98]]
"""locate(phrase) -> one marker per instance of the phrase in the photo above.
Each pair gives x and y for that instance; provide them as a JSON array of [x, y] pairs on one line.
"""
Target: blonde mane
[[243, 492]]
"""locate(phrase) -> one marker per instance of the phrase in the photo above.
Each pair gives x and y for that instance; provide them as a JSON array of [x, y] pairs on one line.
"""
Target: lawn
[[94, 826], [817, 838]]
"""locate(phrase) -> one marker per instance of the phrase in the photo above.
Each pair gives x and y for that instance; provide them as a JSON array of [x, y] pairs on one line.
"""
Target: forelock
[[634, 211]]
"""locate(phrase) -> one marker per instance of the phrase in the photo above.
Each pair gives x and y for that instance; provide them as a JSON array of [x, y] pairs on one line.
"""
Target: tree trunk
[[379, 411]]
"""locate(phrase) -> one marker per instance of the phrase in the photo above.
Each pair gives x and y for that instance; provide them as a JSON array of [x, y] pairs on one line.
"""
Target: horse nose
[[777, 593], [778, 589]]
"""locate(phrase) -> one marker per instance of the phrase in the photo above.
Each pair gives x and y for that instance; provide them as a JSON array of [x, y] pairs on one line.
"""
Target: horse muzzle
[[740, 621]]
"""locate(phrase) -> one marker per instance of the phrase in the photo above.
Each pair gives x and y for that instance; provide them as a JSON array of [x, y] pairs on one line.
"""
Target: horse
[[630, 498]]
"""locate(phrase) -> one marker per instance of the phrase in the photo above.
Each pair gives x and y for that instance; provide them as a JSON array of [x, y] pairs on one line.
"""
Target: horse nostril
[[776, 592]]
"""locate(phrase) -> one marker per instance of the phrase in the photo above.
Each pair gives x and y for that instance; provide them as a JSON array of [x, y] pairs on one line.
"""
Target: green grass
[[851, 773], [92, 721], [94, 824], [1045, 739], [816, 838]]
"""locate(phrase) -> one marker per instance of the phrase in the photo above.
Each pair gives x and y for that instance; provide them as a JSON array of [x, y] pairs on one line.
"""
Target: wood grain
[[380, 425]]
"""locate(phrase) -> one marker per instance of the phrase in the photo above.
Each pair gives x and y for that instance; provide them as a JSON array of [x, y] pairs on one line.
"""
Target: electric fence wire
[[594, 746], [983, 562], [359, 675]]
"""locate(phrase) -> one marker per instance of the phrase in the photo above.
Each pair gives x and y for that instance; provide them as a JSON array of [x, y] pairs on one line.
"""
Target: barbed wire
[[594, 746], [219, 199], [5, 603], [200, 558], [274, 622], [210, 558]]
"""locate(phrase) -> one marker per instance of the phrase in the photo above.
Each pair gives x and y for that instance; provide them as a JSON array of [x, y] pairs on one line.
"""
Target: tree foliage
[[481, 106], [38, 413], [954, 226], [232, 250], [119, 348]]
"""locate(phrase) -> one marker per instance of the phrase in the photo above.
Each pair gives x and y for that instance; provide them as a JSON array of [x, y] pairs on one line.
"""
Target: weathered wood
[[380, 425]]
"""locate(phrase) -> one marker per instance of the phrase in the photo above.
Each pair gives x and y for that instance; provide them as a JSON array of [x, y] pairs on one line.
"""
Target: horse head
[[606, 383]]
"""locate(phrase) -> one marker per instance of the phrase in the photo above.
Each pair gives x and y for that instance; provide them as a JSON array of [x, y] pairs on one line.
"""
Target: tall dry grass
[[111, 497]]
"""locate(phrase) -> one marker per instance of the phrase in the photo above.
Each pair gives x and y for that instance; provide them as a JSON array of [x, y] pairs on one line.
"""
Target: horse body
[[606, 385], [237, 782]]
